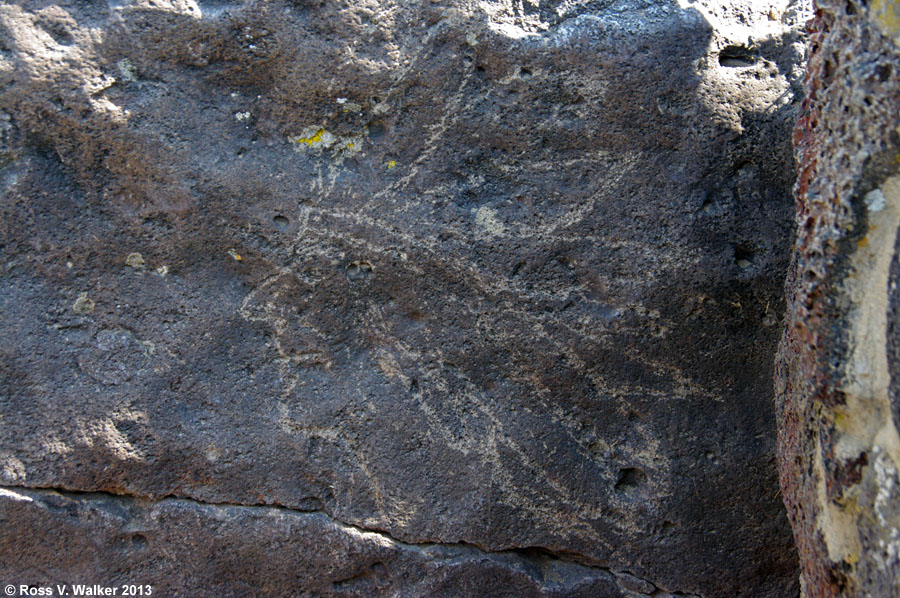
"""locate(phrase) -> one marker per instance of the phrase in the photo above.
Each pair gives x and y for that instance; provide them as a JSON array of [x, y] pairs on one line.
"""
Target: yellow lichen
[[391, 164], [310, 141], [887, 16], [318, 138], [234, 254]]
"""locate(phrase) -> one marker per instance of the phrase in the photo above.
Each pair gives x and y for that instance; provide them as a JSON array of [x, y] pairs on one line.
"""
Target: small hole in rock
[[281, 222], [139, 541], [743, 255], [376, 129], [883, 72], [565, 261], [743, 166], [630, 479], [359, 269], [736, 57], [379, 570], [830, 67], [59, 33], [524, 73]]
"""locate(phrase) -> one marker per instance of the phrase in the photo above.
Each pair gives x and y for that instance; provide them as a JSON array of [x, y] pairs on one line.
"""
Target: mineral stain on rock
[[476, 337]]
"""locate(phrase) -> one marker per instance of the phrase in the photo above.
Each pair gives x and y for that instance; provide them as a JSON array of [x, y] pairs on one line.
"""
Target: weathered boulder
[[498, 278], [839, 363]]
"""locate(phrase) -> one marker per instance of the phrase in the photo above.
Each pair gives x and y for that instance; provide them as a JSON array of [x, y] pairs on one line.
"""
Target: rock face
[[839, 363], [395, 298], [176, 544]]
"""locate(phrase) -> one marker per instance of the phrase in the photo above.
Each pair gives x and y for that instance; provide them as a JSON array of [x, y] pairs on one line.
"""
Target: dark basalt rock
[[485, 274], [226, 550]]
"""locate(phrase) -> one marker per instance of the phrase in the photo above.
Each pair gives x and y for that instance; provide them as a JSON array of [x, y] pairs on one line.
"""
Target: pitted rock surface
[[838, 396], [498, 276]]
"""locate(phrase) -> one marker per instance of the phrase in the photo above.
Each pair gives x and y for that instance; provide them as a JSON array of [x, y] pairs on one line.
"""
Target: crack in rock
[[113, 516]]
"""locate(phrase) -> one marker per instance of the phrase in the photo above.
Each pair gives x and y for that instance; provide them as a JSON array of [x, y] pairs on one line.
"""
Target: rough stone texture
[[216, 550], [497, 274], [838, 376]]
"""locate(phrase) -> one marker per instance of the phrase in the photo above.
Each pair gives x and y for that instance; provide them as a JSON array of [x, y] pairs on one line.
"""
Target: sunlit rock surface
[[839, 364]]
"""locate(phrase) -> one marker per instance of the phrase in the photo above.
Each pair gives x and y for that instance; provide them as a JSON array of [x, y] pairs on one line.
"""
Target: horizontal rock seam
[[527, 553]]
